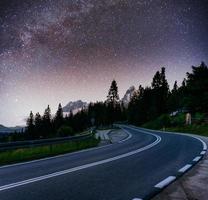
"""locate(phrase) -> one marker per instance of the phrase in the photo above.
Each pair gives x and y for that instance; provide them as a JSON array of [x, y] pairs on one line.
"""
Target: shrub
[[160, 122], [164, 120], [64, 131], [199, 118], [178, 120]]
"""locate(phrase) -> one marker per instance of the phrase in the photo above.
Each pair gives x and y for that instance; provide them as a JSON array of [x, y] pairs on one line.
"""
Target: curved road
[[136, 168]]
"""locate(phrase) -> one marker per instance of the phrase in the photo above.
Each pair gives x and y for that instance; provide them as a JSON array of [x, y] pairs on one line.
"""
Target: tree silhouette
[[175, 87], [197, 88], [38, 124], [160, 89], [30, 125], [47, 125], [113, 105], [113, 96], [59, 118]]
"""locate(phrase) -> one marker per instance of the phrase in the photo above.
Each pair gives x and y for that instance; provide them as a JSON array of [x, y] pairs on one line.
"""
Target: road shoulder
[[191, 186], [111, 136]]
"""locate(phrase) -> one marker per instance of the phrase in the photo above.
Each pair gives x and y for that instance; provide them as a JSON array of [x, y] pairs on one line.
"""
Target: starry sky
[[55, 51]]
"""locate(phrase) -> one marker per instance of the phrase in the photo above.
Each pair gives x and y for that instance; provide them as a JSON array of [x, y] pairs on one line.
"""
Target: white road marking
[[185, 168], [32, 180], [186, 134], [140, 130], [63, 155], [203, 143], [197, 159], [203, 152], [52, 157], [129, 137], [165, 182], [136, 199]]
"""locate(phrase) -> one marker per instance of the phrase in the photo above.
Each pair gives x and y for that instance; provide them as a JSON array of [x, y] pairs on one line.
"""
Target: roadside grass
[[158, 123], [194, 129], [27, 154], [177, 124]]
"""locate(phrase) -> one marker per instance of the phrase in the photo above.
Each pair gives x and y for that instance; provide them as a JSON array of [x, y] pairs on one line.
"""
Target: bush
[[178, 120], [64, 131], [160, 122], [199, 118]]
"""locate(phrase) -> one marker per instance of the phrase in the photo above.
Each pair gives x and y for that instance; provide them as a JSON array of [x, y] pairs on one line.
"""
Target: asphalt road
[[135, 169]]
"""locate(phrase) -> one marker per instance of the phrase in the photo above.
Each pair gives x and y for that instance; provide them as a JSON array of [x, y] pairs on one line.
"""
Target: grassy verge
[[194, 129], [27, 154], [177, 124], [158, 123]]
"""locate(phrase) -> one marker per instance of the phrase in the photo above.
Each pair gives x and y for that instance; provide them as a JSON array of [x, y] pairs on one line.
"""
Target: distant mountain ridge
[[76, 106], [4, 129]]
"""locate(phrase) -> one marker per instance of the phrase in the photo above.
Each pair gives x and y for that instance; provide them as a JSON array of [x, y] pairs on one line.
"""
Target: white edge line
[[128, 137], [185, 168], [57, 156], [196, 159], [186, 134], [138, 129], [165, 182], [65, 154], [32, 180]]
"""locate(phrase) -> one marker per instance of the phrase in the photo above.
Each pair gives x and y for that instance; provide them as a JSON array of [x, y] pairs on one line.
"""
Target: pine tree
[[164, 82], [160, 90], [175, 87], [173, 98], [113, 97], [58, 120], [30, 120], [47, 114], [156, 82], [113, 103], [184, 83], [47, 125], [38, 124], [30, 125], [197, 89]]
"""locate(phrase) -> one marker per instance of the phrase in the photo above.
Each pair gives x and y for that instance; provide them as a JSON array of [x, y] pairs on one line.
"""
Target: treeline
[[151, 102], [47, 126], [147, 103], [97, 114]]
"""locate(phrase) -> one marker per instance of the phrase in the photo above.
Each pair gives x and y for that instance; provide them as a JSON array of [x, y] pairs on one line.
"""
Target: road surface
[[136, 168]]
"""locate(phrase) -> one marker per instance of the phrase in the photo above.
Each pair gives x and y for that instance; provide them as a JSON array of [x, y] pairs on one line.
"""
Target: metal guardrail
[[42, 142]]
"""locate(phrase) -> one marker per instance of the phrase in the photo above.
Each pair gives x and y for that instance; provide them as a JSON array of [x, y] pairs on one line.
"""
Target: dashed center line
[[185, 168], [165, 182], [203, 152], [197, 159]]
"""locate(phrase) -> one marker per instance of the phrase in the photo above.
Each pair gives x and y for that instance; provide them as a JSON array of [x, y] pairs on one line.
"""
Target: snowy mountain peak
[[74, 106], [127, 97]]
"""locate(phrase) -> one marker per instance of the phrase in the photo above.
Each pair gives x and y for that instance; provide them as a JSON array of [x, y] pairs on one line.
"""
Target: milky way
[[58, 51]]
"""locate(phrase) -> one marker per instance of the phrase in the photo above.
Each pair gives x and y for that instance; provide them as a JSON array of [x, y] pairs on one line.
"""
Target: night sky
[[65, 50]]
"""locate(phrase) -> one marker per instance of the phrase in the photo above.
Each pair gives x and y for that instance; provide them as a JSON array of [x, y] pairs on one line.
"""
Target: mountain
[[75, 106], [4, 129], [127, 97]]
